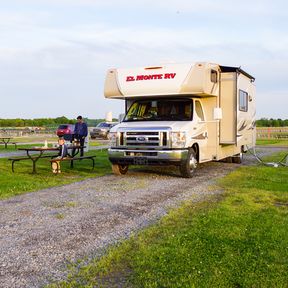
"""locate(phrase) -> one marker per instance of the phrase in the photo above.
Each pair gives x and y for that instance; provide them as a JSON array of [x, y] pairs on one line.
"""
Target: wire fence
[[272, 132], [26, 132]]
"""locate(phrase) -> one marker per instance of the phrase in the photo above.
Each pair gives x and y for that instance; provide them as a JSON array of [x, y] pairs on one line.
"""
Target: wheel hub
[[192, 163]]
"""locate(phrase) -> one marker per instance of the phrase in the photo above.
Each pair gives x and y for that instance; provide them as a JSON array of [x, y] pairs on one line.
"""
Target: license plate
[[140, 161]]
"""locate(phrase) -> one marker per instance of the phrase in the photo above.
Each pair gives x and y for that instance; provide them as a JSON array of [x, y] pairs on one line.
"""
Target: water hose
[[282, 162]]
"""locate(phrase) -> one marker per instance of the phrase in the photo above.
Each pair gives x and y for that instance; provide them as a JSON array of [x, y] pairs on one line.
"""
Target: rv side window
[[213, 76], [243, 101], [199, 110]]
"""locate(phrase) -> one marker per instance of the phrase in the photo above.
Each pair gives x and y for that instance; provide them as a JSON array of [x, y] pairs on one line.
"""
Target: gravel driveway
[[42, 232]]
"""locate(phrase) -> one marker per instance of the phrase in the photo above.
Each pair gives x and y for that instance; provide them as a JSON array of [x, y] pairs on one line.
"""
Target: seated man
[[63, 152], [63, 148]]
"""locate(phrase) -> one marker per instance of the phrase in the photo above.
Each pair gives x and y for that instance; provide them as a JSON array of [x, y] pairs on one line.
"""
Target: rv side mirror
[[217, 114], [121, 117]]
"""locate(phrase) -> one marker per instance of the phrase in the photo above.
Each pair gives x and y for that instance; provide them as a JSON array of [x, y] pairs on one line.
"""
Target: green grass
[[272, 142], [276, 157], [95, 143], [35, 138], [23, 181], [11, 148], [238, 239]]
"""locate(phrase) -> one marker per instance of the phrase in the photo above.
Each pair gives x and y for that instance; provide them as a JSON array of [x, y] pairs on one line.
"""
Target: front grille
[[142, 133], [145, 139], [142, 144]]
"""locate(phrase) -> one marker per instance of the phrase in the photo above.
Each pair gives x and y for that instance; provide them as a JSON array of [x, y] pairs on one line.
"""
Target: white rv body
[[211, 116]]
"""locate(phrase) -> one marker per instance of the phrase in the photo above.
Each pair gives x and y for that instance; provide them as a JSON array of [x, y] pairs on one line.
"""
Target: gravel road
[[42, 232]]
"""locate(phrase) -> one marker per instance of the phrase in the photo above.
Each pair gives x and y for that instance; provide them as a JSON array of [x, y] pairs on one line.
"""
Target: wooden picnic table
[[35, 157]]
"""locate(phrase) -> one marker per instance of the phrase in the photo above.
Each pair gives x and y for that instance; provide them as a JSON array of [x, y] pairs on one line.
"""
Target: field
[[238, 239], [23, 181], [272, 142]]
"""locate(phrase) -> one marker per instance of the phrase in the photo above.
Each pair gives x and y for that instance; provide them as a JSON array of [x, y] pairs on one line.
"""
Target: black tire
[[119, 169], [188, 167]]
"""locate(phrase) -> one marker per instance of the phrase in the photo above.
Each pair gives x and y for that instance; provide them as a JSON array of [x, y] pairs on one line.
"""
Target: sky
[[54, 54]]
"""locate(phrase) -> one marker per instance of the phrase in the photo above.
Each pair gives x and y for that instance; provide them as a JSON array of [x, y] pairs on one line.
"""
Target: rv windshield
[[160, 110]]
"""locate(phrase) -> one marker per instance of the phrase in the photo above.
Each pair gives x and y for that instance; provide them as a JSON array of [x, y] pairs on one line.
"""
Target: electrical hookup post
[[86, 143]]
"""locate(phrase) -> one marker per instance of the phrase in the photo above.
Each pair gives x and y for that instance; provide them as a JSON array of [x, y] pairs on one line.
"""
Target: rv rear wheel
[[228, 160], [237, 158], [188, 167], [119, 169]]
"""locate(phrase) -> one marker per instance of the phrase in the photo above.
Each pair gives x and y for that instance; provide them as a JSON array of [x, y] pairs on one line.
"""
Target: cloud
[[246, 7], [60, 50], [272, 104]]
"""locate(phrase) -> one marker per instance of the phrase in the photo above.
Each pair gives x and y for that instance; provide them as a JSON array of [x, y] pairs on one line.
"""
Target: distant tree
[[19, 122], [275, 123], [61, 120], [264, 122], [44, 122]]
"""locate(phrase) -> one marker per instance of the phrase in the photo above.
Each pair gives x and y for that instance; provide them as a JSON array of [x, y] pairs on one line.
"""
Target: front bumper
[[147, 157]]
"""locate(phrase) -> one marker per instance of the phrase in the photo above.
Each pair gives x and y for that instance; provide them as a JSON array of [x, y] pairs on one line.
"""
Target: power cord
[[282, 162]]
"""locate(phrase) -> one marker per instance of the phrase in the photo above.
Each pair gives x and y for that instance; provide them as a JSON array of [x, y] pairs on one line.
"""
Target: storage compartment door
[[228, 103]]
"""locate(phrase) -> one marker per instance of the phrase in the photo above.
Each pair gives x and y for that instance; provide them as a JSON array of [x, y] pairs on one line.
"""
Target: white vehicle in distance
[[181, 114], [102, 130]]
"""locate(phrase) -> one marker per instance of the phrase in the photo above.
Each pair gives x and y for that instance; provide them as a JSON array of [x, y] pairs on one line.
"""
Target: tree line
[[54, 122], [45, 122], [41, 122], [265, 122]]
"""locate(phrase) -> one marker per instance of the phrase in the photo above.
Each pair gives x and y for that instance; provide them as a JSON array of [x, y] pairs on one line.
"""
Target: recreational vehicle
[[181, 114]]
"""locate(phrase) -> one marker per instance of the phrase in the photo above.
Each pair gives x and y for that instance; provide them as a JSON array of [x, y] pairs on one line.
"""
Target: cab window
[[170, 109]]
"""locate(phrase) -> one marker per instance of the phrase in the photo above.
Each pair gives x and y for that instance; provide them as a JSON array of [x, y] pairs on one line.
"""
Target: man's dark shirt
[[81, 129]]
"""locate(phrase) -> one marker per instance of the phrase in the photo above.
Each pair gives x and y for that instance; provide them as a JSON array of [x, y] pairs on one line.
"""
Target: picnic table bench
[[71, 159], [34, 160]]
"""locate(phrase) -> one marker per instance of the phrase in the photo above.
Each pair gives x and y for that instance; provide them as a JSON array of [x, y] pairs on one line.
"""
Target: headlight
[[178, 139], [113, 139]]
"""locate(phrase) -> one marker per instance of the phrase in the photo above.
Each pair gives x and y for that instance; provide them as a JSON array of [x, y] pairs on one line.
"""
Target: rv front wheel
[[188, 167], [119, 169]]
